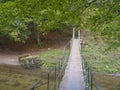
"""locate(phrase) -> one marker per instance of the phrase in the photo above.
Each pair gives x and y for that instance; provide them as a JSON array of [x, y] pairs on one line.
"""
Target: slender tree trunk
[[38, 37], [35, 33]]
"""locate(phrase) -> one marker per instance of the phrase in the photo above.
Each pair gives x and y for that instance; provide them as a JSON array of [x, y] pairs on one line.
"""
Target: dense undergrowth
[[99, 56], [102, 61], [105, 63]]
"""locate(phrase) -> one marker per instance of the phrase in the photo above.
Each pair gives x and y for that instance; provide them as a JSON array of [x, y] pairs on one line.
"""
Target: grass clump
[[49, 58]]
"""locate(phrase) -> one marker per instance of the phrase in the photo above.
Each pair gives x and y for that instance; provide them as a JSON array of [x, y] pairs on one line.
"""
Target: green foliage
[[103, 19], [49, 58], [100, 61], [3, 1], [95, 15], [11, 25], [111, 33]]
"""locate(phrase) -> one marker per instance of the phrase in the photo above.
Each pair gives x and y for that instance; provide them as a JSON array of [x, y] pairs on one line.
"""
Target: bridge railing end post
[[73, 33]]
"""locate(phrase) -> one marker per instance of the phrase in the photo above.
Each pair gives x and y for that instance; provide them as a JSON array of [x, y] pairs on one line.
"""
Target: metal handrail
[[61, 64], [89, 76], [87, 72]]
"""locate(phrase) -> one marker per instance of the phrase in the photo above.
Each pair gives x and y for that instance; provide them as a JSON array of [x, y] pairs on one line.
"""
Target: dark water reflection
[[18, 78], [108, 82]]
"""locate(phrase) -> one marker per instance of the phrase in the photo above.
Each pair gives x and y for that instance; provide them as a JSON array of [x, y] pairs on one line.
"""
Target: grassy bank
[[50, 57], [101, 60]]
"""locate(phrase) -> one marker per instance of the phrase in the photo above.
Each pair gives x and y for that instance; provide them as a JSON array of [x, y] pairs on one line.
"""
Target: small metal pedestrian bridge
[[73, 78], [71, 72]]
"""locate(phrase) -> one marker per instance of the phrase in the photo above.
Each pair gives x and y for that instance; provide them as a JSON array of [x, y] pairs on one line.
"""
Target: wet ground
[[11, 58], [14, 76], [108, 82]]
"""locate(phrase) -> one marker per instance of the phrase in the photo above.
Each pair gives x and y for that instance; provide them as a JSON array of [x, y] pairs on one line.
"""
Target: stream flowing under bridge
[[71, 72]]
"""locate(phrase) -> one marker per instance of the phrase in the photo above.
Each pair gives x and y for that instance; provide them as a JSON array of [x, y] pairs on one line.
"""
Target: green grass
[[49, 58], [51, 55], [102, 61]]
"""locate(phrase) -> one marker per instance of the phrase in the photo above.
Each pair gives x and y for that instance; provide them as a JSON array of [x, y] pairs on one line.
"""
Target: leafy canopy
[[102, 17]]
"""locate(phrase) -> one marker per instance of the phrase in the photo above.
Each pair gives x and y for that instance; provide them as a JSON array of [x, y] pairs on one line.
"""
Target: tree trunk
[[38, 37]]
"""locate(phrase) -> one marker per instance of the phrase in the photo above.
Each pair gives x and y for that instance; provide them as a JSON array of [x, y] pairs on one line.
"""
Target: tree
[[19, 19]]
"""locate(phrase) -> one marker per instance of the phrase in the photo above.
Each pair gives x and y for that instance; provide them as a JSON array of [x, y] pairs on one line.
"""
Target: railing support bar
[[79, 35], [73, 33], [55, 79], [48, 82], [91, 81]]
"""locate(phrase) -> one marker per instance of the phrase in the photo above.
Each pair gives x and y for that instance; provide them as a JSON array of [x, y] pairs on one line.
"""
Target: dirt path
[[11, 58]]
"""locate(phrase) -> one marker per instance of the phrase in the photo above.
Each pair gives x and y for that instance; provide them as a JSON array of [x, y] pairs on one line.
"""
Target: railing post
[[48, 82], [79, 35], [91, 80], [88, 77], [73, 36], [79, 38], [32, 88], [55, 79], [59, 71], [73, 33]]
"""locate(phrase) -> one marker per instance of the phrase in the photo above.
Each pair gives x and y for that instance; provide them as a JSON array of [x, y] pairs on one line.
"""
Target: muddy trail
[[11, 58]]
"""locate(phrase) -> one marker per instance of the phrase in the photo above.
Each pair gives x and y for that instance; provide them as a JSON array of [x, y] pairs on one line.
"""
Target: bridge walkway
[[73, 78]]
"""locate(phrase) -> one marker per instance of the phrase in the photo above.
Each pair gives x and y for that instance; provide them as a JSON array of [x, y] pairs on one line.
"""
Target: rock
[[29, 61], [49, 48]]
